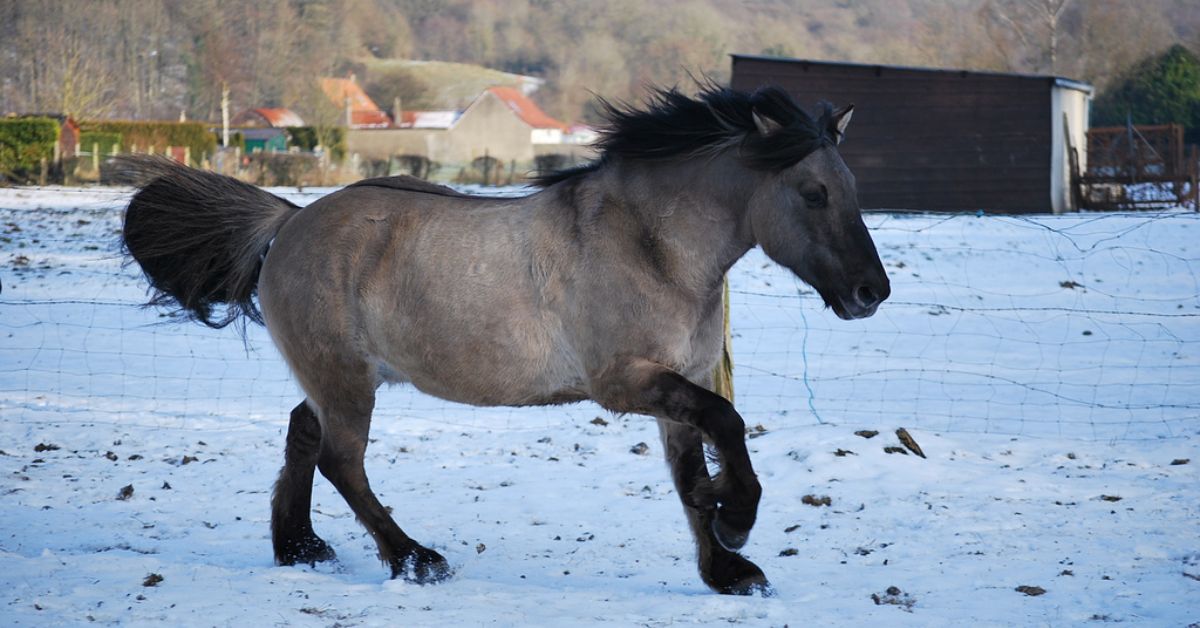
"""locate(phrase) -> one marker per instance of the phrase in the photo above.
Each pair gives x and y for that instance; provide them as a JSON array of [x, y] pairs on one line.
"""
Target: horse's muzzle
[[862, 301]]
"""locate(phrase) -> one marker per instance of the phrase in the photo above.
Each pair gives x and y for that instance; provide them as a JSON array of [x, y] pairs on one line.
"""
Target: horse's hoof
[[310, 551], [754, 586], [733, 574], [422, 566], [729, 536]]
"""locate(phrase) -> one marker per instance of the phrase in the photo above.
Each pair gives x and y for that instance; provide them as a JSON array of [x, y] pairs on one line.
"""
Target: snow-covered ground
[[1047, 366]]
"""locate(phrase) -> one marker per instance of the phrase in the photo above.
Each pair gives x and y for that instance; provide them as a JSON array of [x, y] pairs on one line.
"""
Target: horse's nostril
[[866, 296]]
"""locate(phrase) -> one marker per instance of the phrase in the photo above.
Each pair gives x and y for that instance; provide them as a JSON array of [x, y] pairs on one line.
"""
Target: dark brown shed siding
[[929, 139]]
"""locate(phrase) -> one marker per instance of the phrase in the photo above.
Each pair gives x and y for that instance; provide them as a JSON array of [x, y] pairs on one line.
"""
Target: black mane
[[673, 125]]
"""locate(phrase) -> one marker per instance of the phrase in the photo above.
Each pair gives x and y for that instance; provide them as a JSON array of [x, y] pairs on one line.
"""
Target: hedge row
[[104, 140], [24, 143], [196, 136], [159, 135]]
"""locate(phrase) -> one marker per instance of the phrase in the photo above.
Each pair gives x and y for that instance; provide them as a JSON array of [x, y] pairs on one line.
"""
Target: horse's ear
[[840, 120], [766, 126]]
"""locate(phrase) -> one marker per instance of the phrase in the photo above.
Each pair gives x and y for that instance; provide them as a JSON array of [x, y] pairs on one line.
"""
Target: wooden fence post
[[44, 173], [96, 156]]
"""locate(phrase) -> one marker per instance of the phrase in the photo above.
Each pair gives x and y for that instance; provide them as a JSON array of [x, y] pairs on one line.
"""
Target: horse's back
[[409, 184]]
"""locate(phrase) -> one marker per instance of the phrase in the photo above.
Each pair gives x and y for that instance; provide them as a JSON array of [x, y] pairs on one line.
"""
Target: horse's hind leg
[[345, 422], [721, 569], [291, 520]]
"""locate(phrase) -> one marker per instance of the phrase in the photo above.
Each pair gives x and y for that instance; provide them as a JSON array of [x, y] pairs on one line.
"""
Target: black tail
[[200, 238]]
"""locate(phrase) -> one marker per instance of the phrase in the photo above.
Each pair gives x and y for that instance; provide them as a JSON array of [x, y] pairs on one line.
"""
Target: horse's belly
[[514, 367], [486, 389]]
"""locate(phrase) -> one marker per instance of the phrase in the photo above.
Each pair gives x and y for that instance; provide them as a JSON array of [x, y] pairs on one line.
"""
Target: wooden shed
[[945, 140]]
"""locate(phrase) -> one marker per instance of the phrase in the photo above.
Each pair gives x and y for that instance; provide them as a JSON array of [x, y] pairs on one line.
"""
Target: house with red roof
[[502, 124], [265, 128], [542, 128], [361, 111]]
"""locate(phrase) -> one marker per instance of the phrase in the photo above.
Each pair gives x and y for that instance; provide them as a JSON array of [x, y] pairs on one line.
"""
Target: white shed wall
[[1069, 124]]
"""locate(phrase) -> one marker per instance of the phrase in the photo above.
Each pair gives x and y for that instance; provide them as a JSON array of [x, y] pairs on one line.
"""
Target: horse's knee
[[725, 426]]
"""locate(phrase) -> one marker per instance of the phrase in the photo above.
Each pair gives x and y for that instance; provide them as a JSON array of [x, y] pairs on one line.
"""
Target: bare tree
[[83, 86], [151, 58], [1113, 36], [1026, 32]]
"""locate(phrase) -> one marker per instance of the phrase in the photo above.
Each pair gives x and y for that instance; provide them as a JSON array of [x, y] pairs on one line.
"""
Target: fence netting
[[1082, 326]]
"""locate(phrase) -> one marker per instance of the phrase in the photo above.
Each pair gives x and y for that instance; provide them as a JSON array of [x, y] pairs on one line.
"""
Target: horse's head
[[806, 215]]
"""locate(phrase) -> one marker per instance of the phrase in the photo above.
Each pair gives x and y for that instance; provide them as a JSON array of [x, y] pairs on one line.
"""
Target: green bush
[[1161, 89], [24, 142], [308, 137], [159, 135], [105, 140]]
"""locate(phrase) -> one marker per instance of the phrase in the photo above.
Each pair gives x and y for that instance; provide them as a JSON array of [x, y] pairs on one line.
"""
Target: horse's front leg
[[644, 387], [723, 570]]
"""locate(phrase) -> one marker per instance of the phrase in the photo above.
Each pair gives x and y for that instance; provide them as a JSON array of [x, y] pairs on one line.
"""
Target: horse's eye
[[815, 200]]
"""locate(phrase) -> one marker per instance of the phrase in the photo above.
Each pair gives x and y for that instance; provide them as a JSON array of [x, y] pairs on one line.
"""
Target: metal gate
[[1138, 167]]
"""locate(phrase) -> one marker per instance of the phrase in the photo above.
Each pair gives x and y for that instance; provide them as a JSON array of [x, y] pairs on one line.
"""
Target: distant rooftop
[[364, 113], [427, 119], [526, 109], [276, 117]]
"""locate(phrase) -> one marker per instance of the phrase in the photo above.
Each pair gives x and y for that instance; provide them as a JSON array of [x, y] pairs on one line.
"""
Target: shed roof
[[1058, 81]]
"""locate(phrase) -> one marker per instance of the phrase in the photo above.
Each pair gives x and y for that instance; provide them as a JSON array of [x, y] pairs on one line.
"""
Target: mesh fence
[[1080, 326]]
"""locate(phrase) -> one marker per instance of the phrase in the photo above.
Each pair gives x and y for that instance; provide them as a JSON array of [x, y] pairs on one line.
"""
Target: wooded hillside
[[155, 58]]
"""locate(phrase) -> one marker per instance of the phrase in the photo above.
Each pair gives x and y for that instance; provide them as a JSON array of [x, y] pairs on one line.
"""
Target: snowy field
[[1048, 367]]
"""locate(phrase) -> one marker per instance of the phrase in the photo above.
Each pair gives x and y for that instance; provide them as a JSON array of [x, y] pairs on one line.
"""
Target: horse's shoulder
[[408, 184]]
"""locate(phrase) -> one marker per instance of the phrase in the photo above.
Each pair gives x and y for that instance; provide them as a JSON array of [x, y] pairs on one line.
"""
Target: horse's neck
[[698, 229]]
